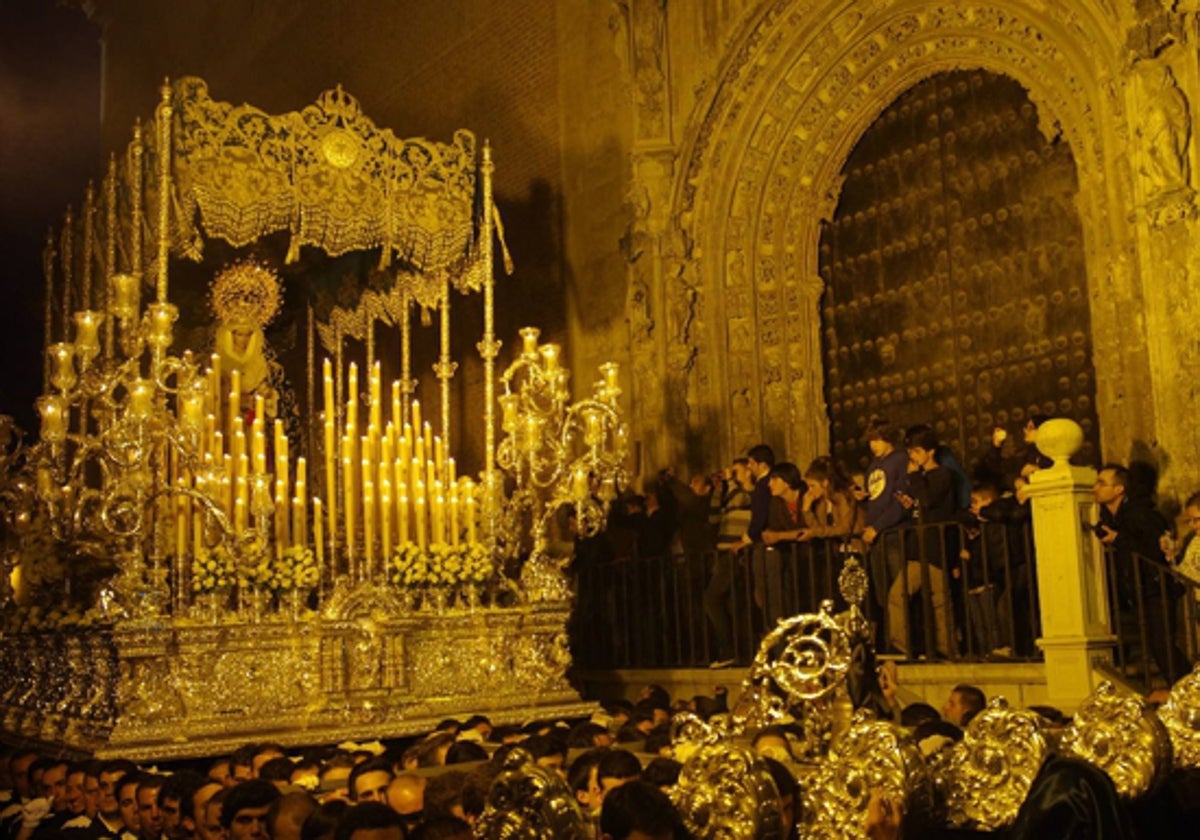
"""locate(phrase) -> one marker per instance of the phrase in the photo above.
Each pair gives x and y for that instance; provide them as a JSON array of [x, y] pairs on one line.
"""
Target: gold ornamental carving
[[989, 772], [1181, 716], [1116, 732], [725, 792]]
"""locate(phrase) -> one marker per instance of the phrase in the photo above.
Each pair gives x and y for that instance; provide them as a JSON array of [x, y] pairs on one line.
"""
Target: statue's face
[[241, 338]]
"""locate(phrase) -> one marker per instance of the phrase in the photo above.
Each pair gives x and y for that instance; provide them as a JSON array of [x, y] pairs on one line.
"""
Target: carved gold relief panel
[[956, 289]]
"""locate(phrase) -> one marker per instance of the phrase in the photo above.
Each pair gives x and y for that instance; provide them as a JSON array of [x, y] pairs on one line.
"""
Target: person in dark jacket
[[1131, 529], [932, 495], [887, 480]]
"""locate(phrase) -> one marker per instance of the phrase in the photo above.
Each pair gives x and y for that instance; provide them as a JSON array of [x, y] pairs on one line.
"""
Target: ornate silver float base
[[366, 667]]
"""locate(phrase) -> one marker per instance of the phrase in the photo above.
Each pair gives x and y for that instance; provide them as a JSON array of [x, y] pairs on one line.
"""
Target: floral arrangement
[[407, 566], [477, 564], [296, 569], [440, 565], [213, 571]]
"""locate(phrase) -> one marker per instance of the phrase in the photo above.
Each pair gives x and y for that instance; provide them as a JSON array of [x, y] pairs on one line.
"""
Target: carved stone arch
[[762, 168]]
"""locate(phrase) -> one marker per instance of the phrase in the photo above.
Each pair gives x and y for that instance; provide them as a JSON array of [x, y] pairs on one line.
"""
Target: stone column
[[1072, 588]]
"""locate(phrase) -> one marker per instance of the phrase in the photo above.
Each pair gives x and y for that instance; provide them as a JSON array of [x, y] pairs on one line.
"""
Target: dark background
[[50, 60]]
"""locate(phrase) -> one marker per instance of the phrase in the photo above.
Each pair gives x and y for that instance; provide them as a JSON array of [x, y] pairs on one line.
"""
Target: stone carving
[[816, 84], [1164, 129]]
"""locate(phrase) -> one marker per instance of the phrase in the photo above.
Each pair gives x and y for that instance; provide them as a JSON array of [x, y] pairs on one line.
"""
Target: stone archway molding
[[760, 168]]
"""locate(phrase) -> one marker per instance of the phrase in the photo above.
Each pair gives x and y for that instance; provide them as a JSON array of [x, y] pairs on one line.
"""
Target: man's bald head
[[406, 794]]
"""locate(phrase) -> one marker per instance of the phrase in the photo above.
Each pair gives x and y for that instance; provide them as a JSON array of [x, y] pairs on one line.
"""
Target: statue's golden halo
[[246, 292]]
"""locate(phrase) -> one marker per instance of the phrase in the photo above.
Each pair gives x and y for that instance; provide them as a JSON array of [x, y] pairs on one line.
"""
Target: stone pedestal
[[1072, 589]]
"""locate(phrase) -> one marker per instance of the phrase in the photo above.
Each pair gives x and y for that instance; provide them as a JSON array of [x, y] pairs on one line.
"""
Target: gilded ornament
[[1181, 716], [725, 792], [529, 802], [871, 755], [246, 293], [989, 772], [1116, 732]]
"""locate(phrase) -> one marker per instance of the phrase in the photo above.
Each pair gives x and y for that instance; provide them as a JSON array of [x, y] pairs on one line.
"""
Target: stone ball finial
[[1058, 439]]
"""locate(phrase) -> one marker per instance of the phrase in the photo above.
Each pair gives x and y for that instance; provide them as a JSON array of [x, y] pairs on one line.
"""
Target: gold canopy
[[326, 174]]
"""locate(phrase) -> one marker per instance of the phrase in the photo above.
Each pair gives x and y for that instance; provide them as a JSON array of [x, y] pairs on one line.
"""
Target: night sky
[[49, 148]]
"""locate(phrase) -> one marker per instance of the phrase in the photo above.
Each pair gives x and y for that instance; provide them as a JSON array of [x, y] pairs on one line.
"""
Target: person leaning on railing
[[1131, 527], [1185, 555]]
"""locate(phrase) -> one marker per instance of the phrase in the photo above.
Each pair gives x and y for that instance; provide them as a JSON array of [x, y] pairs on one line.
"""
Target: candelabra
[[557, 455], [120, 435]]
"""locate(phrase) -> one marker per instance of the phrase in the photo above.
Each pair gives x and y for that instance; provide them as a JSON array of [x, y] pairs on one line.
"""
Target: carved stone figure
[[1165, 131]]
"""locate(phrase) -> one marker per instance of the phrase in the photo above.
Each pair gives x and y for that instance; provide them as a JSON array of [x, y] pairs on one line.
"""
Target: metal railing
[[1153, 612], [691, 610]]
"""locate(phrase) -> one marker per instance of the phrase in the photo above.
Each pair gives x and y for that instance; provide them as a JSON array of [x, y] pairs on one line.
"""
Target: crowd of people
[[619, 768], [948, 548]]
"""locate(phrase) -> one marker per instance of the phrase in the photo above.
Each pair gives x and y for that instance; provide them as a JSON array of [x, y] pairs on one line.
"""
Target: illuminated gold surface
[[725, 791], [989, 772], [1116, 732], [1181, 715]]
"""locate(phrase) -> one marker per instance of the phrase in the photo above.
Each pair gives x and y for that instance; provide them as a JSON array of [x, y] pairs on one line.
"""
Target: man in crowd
[[962, 704], [369, 781], [244, 811], [150, 820], [886, 480], [735, 523], [1131, 528]]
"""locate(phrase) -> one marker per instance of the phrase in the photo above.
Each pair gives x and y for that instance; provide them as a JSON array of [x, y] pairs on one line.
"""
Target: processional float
[[195, 559]]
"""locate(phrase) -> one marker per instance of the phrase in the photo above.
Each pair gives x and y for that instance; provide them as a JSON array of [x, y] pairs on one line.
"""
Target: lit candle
[[281, 454], [376, 399], [300, 498], [141, 399], [593, 431], [385, 522], [419, 507], [402, 519], [439, 518], [470, 513], [348, 503], [62, 366], [397, 419], [258, 437], [282, 515], [238, 441], [529, 340], [508, 406], [318, 534], [454, 535], [298, 535], [214, 385], [368, 524], [239, 511], [87, 336], [416, 415], [352, 398], [126, 299], [53, 410], [191, 409], [235, 398]]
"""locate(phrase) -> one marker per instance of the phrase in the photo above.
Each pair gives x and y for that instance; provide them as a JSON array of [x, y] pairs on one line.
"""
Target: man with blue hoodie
[[887, 482]]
